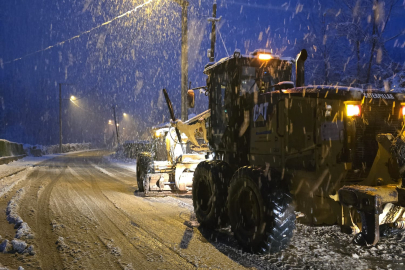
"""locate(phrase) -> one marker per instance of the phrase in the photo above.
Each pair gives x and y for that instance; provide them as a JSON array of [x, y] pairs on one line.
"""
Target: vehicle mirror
[[190, 98]]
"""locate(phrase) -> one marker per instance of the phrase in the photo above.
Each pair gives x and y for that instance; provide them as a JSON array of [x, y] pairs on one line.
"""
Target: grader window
[[248, 82], [221, 103]]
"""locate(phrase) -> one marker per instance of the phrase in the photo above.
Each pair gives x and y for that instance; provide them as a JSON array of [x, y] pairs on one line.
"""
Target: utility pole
[[60, 115], [60, 118], [184, 60], [213, 31], [184, 57], [116, 125]]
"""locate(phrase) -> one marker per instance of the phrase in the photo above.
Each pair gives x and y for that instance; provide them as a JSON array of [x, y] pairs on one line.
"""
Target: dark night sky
[[130, 60]]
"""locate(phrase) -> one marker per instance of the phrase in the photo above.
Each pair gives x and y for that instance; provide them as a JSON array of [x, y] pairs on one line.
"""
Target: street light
[[72, 98], [124, 114], [60, 114]]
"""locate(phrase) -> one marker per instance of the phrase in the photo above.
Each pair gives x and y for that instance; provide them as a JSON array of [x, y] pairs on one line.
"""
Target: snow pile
[[23, 230], [61, 245], [54, 149], [19, 245], [5, 246], [12, 207]]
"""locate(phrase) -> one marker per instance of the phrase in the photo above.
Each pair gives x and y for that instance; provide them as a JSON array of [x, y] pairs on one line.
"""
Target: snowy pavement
[[22, 164], [28, 162], [320, 247], [125, 163], [83, 211]]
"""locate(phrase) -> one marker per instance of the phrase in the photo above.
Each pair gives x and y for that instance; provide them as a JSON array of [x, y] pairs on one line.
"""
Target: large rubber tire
[[260, 211], [210, 191], [144, 165]]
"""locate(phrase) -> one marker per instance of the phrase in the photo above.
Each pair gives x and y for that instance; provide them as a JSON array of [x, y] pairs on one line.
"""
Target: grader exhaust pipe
[[300, 68]]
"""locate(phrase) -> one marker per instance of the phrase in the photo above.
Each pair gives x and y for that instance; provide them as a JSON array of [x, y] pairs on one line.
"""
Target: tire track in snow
[[46, 242], [146, 234], [168, 222]]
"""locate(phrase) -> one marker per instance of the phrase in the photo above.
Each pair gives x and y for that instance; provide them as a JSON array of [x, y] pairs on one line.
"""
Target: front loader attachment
[[372, 201]]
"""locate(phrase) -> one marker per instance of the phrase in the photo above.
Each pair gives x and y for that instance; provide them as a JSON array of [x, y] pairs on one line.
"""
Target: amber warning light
[[353, 110], [264, 56]]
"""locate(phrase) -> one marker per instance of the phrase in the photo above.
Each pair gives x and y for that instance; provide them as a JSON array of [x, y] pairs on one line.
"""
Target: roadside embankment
[[10, 151], [40, 150]]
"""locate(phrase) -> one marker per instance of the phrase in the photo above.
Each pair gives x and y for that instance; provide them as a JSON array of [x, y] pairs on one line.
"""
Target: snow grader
[[169, 167], [334, 154]]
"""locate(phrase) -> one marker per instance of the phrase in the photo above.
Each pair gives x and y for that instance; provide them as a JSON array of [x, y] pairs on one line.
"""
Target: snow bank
[[19, 245], [12, 207], [23, 230], [5, 246], [33, 150]]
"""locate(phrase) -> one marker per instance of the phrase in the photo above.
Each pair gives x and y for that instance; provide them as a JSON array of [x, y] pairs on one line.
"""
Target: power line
[[83, 33]]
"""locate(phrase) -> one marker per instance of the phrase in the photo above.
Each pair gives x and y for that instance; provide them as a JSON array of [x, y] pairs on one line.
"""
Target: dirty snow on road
[[84, 211]]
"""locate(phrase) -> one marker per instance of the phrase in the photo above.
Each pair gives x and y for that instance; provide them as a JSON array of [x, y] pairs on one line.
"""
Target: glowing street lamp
[[72, 98], [125, 114]]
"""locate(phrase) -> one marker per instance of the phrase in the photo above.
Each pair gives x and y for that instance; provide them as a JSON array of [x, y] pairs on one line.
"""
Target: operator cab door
[[220, 104]]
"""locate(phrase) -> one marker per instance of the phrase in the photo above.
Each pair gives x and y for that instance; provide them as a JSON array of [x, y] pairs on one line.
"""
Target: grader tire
[[260, 211], [144, 165], [210, 190]]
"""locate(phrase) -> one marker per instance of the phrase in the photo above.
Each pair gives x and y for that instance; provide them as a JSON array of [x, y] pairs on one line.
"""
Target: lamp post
[[116, 125], [60, 115]]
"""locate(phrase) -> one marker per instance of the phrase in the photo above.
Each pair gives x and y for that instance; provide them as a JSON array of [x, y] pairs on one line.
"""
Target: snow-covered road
[[81, 217], [82, 211]]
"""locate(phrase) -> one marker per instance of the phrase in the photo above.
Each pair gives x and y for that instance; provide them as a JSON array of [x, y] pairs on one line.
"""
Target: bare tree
[[364, 23]]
